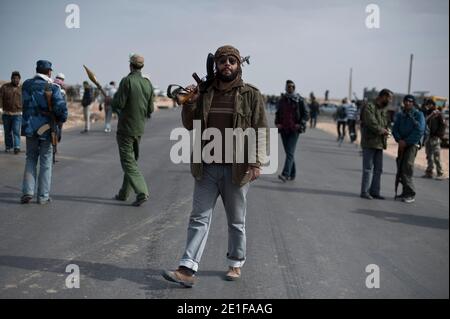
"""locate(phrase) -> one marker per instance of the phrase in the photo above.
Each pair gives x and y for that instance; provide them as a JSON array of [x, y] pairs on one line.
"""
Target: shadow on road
[[332, 152], [313, 140], [306, 190], [415, 220], [356, 170], [14, 198], [151, 279]]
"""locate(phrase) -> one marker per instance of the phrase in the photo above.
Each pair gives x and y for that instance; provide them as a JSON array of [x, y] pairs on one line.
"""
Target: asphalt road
[[311, 238]]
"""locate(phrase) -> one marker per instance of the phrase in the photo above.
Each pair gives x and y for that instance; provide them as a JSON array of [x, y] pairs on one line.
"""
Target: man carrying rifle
[[228, 103], [409, 127], [44, 108]]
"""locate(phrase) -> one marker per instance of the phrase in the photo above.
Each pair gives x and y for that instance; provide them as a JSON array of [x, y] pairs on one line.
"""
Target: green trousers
[[433, 150], [132, 178], [407, 170]]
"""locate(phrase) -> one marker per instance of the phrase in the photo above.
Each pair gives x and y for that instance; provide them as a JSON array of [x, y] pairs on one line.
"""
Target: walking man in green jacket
[[373, 142], [133, 103], [228, 103]]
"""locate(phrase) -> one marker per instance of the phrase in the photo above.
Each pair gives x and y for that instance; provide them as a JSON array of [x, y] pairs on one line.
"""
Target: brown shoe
[[233, 274], [180, 276], [26, 199]]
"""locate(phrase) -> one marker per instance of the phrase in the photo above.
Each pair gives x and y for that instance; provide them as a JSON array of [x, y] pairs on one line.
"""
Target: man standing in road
[[409, 127], [86, 104], [314, 111], [227, 103], [133, 102], [11, 104], [59, 79], [352, 113], [341, 120], [110, 90], [35, 126], [373, 142], [291, 118], [436, 130]]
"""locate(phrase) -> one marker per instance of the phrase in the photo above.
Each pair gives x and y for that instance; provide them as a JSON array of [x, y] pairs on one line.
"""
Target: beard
[[227, 78], [384, 104]]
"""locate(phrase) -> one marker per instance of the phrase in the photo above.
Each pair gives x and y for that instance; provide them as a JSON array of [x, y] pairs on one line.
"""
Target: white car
[[328, 108]]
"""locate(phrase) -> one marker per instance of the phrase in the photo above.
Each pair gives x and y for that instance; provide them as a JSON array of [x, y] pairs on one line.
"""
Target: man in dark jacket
[[35, 126], [290, 119], [314, 111], [436, 130], [133, 102], [373, 142], [86, 104], [409, 127]]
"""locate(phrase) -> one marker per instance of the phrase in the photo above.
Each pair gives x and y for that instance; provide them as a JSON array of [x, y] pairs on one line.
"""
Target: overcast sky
[[313, 43]]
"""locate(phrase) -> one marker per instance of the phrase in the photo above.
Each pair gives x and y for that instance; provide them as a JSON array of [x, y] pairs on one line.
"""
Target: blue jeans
[[216, 180], [289, 143], [11, 125], [372, 165], [41, 150], [108, 116]]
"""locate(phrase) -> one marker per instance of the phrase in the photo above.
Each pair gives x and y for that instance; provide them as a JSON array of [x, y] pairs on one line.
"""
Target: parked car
[[328, 108]]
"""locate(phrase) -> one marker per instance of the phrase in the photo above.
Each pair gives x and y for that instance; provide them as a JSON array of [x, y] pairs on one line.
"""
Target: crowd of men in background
[[37, 110], [413, 127]]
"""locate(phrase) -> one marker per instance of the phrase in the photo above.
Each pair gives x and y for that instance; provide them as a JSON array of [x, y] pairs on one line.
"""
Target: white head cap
[[60, 76]]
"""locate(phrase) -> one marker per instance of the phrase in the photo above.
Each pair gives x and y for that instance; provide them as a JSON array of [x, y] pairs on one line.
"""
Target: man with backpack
[[341, 119], [352, 114], [86, 103], [409, 127], [110, 90]]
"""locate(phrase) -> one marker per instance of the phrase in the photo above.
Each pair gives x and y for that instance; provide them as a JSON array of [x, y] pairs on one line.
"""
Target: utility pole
[[410, 73], [350, 89]]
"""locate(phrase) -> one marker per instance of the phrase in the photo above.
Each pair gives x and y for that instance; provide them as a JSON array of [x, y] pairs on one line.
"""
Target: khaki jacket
[[249, 112], [375, 121]]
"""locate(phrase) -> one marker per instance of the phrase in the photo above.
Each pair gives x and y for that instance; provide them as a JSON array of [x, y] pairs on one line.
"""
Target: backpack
[[341, 112], [87, 98]]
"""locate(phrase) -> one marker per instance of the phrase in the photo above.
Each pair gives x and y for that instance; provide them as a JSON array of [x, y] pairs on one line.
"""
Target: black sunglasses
[[231, 59]]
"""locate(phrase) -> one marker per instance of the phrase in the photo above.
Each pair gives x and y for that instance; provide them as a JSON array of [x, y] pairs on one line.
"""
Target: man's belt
[[12, 113]]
